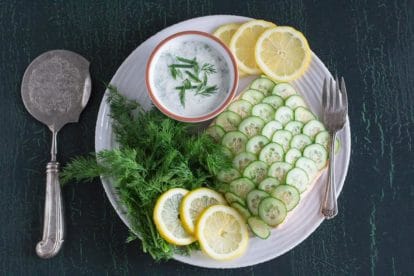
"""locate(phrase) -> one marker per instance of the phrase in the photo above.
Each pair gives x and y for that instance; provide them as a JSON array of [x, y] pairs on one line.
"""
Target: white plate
[[306, 217]]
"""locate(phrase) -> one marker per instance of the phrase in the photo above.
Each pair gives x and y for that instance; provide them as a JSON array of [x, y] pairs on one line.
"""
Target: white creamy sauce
[[165, 85]]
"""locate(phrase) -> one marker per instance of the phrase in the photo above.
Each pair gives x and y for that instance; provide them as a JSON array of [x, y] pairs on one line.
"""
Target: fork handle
[[330, 204]]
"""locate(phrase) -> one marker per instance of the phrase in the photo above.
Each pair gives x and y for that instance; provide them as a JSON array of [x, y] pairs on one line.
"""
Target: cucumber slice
[[289, 195], [263, 84], [308, 165], [216, 132], [317, 153], [294, 126], [271, 153], [235, 141], [268, 184], [284, 115], [264, 111], [228, 175], [231, 198], [292, 155], [251, 126], [283, 90], [270, 128], [279, 170], [226, 152], [298, 179], [253, 96], [242, 160], [295, 101], [274, 101], [241, 210], [255, 144], [241, 187], [282, 137], [259, 228], [253, 199], [256, 171], [323, 139], [304, 115], [228, 120], [272, 211], [312, 128], [241, 107], [222, 187], [300, 141]]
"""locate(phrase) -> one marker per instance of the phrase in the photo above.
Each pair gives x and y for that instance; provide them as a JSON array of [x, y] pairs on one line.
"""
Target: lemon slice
[[194, 203], [222, 232], [225, 33], [243, 42], [283, 53], [167, 220]]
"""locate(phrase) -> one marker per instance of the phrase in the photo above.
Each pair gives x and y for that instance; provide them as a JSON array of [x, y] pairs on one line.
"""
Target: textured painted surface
[[371, 43]]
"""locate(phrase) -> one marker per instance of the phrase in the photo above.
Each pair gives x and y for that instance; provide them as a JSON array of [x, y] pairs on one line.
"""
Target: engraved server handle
[[53, 224]]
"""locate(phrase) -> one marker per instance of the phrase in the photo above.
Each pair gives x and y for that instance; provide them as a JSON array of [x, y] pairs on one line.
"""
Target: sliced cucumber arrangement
[[264, 111], [256, 171], [242, 160], [241, 210], [278, 147], [269, 184], [228, 120], [271, 153], [253, 96], [235, 141], [259, 227], [241, 107], [253, 199], [289, 195], [297, 178], [264, 85], [272, 211], [241, 187], [251, 126], [256, 143], [274, 101], [270, 128], [283, 90], [284, 115]]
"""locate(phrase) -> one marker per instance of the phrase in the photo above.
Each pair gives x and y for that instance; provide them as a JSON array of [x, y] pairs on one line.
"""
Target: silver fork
[[335, 110]]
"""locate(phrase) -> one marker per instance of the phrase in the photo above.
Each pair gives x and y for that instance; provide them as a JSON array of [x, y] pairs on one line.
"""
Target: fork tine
[[325, 94], [338, 93], [344, 94], [332, 96]]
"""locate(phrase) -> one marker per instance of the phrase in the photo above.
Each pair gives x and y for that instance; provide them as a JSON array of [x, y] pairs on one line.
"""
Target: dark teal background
[[370, 43]]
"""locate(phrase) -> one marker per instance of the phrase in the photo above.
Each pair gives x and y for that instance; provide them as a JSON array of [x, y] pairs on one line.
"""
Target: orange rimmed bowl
[[163, 88]]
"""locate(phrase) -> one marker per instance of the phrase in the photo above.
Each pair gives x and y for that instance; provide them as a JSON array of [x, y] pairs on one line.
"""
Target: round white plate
[[130, 80]]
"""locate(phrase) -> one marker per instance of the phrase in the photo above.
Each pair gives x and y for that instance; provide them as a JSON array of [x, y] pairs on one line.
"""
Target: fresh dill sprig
[[193, 76], [155, 154], [208, 68]]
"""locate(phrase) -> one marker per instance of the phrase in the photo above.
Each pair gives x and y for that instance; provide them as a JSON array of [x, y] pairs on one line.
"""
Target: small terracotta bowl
[[192, 111]]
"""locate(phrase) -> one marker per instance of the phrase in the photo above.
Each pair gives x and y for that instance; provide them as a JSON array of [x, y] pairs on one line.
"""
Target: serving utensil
[[335, 111], [55, 89]]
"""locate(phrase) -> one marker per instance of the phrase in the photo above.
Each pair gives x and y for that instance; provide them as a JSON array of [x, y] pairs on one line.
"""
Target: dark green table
[[370, 43]]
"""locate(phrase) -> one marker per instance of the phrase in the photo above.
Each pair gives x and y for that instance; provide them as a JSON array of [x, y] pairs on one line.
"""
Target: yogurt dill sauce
[[193, 101]]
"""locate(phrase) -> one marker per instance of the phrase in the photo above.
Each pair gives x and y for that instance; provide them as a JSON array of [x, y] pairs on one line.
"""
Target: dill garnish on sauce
[[155, 154], [191, 79]]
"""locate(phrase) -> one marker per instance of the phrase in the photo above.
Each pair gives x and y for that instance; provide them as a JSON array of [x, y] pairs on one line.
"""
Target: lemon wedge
[[196, 202], [167, 220], [243, 42], [222, 232], [282, 53], [225, 33]]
